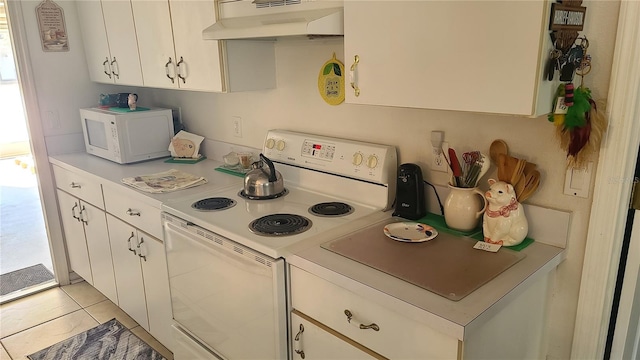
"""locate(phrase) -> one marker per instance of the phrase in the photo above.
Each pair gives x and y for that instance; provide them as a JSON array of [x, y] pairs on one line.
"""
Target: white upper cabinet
[[477, 55], [173, 53], [109, 38], [96, 47], [193, 63]]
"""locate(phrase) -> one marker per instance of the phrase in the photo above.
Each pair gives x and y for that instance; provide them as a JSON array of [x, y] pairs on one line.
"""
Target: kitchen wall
[[63, 87]]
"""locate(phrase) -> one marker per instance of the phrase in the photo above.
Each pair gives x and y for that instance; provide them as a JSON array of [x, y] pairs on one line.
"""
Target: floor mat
[[110, 340], [23, 278]]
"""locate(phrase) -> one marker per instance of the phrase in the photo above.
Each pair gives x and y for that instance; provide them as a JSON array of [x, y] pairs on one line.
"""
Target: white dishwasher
[[227, 296]]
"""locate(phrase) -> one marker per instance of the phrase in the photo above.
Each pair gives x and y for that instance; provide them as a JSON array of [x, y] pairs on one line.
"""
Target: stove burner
[[275, 196], [213, 203], [280, 225], [331, 209]]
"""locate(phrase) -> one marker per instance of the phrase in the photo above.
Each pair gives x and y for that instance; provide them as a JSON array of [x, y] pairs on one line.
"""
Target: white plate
[[410, 232]]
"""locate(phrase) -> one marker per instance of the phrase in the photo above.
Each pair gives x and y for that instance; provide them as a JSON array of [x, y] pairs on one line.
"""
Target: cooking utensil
[[485, 167], [503, 171], [262, 183], [518, 170], [455, 167], [497, 147], [532, 181]]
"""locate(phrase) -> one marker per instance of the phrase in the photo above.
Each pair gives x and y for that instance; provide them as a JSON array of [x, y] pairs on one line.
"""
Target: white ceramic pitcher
[[464, 207]]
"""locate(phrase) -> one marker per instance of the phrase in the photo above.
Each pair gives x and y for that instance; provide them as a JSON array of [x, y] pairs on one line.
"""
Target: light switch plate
[[578, 181]]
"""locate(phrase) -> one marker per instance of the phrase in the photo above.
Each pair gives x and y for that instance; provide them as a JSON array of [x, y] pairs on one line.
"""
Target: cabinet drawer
[[398, 337], [142, 216], [80, 186]]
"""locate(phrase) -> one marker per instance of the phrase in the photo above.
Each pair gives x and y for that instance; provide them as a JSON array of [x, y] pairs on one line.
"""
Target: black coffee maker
[[410, 200]]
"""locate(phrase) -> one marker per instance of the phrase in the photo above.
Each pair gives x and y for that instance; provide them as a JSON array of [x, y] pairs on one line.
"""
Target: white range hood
[[254, 19]]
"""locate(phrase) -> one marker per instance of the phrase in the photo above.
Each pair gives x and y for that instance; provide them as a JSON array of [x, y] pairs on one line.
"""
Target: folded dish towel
[[166, 181]]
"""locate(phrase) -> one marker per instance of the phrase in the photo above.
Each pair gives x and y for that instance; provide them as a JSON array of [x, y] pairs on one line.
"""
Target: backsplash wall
[[296, 105]]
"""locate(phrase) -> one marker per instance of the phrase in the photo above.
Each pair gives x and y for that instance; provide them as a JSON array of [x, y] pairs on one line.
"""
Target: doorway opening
[[25, 257]]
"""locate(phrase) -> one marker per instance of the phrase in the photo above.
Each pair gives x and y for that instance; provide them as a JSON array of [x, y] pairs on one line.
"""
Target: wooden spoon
[[497, 147], [503, 171], [531, 185], [518, 170]]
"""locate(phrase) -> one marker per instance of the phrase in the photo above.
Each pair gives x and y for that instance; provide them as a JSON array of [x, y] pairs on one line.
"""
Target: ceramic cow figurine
[[504, 220]]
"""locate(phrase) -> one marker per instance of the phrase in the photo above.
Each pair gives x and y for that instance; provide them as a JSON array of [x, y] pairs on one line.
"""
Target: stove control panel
[[355, 159]]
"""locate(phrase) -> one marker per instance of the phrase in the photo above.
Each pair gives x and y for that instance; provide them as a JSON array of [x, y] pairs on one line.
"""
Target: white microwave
[[126, 137]]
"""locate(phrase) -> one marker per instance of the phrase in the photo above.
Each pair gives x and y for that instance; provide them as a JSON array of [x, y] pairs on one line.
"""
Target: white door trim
[[44, 173], [612, 190]]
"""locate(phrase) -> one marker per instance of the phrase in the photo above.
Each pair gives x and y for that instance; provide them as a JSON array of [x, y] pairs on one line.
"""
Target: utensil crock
[[463, 208]]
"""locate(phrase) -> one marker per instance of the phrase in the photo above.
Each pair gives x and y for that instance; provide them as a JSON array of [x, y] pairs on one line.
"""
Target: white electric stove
[[226, 264]]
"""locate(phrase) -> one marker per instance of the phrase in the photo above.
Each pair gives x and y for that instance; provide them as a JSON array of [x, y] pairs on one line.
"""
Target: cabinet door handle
[[166, 69], [113, 67], [179, 65], [298, 340], [129, 243], [104, 67], [353, 74], [81, 216], [372, 326], [75, 186], [140, 250], [132, 212], [73, 212]]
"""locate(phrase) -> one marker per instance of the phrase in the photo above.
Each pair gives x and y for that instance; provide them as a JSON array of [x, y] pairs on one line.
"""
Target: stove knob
[[270, 143], [372, 161], [280, 145], [357, 159]]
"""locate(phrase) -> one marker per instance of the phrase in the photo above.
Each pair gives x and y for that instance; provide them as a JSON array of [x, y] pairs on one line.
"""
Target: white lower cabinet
[[74, 236], [385, 332], [87, 240], [141, 277], [312, 341]]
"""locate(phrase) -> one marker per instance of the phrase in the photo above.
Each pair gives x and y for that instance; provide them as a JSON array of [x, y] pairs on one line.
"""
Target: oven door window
[[224, 294]]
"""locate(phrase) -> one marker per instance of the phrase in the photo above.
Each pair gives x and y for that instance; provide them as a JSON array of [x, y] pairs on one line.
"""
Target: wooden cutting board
[[447, 265]]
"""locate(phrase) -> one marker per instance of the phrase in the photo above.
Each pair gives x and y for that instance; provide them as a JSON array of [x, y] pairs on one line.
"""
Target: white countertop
[[455, 318], [113, 173]]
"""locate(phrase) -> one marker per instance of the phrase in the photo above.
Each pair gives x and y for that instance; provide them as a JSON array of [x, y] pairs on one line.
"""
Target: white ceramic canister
[[464, 207]]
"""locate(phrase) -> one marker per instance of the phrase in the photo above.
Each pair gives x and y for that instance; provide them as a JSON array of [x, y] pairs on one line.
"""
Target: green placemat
[[437, 221], [185, 160], [126, 110], [229, 171]]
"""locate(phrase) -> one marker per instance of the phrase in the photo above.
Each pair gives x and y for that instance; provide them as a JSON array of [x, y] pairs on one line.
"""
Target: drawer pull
[[297, 338], [372, 326], [75, 186], [129, 243], [132, 213]]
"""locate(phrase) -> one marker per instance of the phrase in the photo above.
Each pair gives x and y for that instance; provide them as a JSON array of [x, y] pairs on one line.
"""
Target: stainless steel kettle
[[261, 182]]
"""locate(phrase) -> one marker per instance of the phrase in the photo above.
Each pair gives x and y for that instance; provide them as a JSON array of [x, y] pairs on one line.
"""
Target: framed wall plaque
[[53, 31]]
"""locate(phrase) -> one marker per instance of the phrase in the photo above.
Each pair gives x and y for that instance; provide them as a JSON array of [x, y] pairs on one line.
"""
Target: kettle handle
[[272, 168]]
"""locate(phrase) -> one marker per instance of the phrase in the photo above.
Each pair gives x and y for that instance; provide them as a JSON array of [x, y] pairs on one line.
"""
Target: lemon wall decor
[[331, 81]]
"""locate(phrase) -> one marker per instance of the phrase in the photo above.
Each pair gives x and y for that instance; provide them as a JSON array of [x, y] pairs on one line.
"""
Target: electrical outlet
[[439, 161], [237, 126]]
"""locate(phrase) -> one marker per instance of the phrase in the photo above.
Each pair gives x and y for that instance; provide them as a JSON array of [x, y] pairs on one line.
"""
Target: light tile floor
[[43, 319]]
